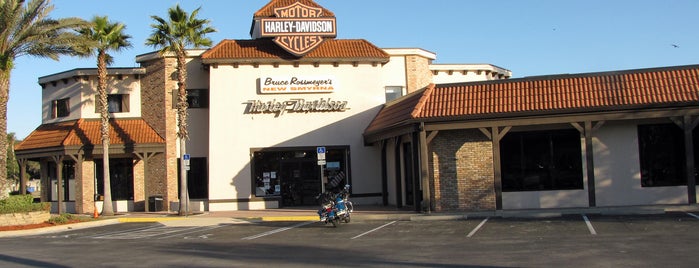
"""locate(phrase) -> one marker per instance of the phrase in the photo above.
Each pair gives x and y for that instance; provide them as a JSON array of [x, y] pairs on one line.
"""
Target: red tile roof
[[268, 9], [87, 132], [266, 49], [607, 91]]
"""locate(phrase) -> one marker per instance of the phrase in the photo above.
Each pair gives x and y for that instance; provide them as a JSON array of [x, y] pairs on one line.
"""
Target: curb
[[159, 219], [59, 228]]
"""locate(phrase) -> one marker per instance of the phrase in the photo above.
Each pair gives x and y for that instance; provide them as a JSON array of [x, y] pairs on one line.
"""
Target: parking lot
[[666, 239]]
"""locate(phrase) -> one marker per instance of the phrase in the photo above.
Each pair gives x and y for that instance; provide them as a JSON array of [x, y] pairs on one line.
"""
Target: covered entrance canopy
[[582, 102], [80, 141]]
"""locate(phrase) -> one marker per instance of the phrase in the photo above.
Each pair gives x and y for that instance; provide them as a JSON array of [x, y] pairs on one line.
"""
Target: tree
[[26, 29], [174, 36], [105, 36], [12, 165]]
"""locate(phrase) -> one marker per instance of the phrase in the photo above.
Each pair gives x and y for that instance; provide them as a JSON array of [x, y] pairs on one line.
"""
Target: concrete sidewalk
[[360, 213], [281, 214], [386, 213]]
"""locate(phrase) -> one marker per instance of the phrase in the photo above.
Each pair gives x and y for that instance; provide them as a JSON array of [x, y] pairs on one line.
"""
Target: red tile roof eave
[[300, 60], [392, 111], [70, 131], [556, 112], [267, 49]]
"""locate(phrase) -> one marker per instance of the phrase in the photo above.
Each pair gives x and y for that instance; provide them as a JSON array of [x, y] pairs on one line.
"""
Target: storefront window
[[197, 178], [121, 178], [661, 151], [294, 174], [68, 180], [541, 160]]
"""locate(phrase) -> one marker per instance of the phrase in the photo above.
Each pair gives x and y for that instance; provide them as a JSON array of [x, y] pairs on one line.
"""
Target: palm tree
[[174, 36], [105, 36], [26, 29]]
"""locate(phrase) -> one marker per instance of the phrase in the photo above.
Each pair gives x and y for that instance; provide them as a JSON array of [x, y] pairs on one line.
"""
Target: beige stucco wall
[[235, 133], [617, 170], [82, 92]]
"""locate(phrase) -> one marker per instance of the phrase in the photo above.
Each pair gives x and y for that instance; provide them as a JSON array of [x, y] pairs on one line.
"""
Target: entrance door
[[301, 181], [292, 175]]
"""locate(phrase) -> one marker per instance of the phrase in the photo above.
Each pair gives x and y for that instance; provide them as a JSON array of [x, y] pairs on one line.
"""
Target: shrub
[[22, 203], [61, 219]]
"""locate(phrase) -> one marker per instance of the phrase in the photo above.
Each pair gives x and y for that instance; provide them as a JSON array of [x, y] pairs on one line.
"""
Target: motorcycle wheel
[[335, 222], [347, 218]]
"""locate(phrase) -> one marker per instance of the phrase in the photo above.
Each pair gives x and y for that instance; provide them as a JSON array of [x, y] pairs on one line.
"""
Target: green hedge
[[22, 203]]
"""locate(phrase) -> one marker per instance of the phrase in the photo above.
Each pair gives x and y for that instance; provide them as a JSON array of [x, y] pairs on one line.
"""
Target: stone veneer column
[[157, 110], [139, 199], [87, 186], [462, 163], [417, 72]]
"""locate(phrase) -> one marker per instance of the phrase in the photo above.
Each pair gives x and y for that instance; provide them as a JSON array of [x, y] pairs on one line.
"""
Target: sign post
[[186, 158], [320, 151]]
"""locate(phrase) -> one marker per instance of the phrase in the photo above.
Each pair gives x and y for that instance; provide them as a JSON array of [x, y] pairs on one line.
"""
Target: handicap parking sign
[[321, 153]]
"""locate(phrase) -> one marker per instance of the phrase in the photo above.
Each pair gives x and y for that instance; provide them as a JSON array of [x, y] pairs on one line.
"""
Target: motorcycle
[[335, 207]]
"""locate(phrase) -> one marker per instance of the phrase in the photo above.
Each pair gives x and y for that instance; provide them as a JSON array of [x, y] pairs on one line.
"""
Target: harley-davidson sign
[[294, 106], [298, 28]]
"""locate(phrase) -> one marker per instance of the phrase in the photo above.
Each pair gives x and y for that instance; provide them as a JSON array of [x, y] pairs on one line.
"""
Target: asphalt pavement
[[210, 218]]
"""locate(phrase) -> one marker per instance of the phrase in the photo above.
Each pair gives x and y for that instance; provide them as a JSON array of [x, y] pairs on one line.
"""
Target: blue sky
[[527, 37]]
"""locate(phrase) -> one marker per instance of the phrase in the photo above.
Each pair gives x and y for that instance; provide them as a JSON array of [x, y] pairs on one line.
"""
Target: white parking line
[[122, 232], [372, 230], [277, 230], [197, 230], [147, 233], [589, 225], [473, 232], [693, 215]]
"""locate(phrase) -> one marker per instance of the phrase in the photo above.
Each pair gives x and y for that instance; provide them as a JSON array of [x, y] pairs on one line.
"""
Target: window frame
[[121, 178], [124, 101], [549, 160], [201, 101], [400, 89], [197, 177], [661, 158], [60, 108]]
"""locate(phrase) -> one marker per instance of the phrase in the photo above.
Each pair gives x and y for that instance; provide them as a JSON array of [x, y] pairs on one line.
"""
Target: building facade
[[279, 118], [272, 122], [617, 138]]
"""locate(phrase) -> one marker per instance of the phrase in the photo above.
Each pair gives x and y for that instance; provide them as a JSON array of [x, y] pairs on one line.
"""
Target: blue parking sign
[[185, 157], [320, 150]]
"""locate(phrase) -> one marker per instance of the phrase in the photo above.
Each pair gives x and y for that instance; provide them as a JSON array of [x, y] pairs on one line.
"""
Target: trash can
[[155, 203]]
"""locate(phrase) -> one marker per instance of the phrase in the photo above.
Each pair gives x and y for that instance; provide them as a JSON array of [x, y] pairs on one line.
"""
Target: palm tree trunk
[[182, 128], [4, 98], [107, 208]]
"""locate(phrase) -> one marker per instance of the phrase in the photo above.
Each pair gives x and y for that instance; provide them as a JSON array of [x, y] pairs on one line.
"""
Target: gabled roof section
[[558, 94], [268, 10], [46, 136], [245, 51], [87, 132], [400, 110]]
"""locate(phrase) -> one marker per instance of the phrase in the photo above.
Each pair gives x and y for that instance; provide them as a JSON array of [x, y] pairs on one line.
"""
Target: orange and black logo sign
[[298, 28]]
